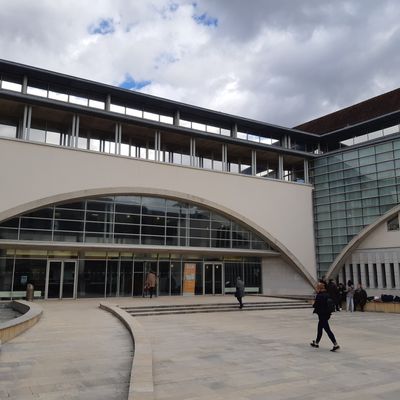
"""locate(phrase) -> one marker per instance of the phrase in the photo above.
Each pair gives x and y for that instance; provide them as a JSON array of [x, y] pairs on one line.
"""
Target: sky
[[283, 62]]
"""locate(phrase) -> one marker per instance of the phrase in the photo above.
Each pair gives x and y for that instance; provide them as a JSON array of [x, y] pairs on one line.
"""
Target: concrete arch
[[72, 196], [355, 242]]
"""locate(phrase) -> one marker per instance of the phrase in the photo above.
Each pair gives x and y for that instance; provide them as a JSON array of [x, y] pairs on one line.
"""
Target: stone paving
[[80, 352], [266, 355], [75, 352]]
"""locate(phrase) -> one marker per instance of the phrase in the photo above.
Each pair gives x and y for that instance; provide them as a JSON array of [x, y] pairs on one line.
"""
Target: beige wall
[[33, 175], [380, 237], [280, 278]]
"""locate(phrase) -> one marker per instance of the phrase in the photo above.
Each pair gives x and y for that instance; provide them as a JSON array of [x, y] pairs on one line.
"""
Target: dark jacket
[[360, 297], [239, 288], [321, 305], [333, 292]]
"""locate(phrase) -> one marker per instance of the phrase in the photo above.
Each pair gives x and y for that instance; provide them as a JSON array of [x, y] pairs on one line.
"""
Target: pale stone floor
[[80, 352], [75, 352], [263, 355]]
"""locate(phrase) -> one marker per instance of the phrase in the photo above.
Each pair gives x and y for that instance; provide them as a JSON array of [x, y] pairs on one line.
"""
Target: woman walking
[[323, 310]]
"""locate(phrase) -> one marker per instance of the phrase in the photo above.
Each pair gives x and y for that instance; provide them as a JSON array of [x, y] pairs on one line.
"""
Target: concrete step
[[208, 308], [233, 304]]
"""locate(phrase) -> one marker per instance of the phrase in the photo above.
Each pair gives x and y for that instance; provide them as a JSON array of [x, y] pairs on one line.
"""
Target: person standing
[[350, 296], [360, 297], [321, 308], [150, 283], [342, 294], [239, 293], [333, 292]]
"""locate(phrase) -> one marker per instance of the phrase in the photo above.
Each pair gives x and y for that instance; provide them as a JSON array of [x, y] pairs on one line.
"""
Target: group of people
[[353, 297]]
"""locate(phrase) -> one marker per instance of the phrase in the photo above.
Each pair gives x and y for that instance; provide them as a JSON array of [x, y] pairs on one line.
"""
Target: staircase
[[214, 307]]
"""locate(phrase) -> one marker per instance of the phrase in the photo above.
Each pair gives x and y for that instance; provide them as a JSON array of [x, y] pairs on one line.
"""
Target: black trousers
[[323, 324], [239, 299]]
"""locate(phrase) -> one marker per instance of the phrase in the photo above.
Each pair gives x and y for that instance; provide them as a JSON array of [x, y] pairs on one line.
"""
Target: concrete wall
[[33, 175], [280, 278], [381, 238]]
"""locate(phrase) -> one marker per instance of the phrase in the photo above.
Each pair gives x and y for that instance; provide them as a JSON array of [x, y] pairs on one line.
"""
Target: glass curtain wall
[[131, 220], [352, 189], [102, 274]]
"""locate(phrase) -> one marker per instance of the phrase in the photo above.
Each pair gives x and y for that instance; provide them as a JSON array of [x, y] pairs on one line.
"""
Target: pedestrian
[[360, 297], [322, 309], [333, 292], [145, 290], [150, 283], [342, 294], [239, 293], [350, 296]]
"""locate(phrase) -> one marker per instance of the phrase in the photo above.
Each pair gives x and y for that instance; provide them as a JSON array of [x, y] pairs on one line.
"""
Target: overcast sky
[[280, 61]]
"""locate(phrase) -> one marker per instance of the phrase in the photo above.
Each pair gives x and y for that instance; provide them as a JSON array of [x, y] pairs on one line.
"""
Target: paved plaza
[[75, 352], [80, 352]]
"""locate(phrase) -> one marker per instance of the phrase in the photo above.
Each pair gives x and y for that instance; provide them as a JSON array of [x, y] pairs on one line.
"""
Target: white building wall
[[280, 278], [33, 175]]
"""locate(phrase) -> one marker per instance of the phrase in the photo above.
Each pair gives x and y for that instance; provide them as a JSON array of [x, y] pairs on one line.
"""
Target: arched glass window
[[135, 220]]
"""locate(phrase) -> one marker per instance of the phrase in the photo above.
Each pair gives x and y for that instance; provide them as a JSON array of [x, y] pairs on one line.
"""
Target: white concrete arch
[[356, 241], [231, 214]]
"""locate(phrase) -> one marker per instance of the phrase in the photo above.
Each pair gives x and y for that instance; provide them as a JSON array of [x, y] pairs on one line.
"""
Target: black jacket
[[321, 305]]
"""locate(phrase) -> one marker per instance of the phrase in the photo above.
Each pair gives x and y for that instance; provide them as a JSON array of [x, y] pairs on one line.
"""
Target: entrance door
[[213, 278], [61, 279]]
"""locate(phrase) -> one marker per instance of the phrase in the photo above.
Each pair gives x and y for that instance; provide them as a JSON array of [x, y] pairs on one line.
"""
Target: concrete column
[[177, 118], [118, 138], [396, 259], [72, 144], [28, 121], [347, 269], [389, 282], [224, 157], [193, 152], [108, 102], [253, 162], [234, 130], [25, 85], [280, 167], [306, 174]]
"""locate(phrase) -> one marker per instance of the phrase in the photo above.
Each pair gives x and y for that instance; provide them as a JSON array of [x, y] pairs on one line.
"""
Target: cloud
[[279, 61]]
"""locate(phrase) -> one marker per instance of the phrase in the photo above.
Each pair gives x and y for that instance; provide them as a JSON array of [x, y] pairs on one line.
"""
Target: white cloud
[[282, 62]]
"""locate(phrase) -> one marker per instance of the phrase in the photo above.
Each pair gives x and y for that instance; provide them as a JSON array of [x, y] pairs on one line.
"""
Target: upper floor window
[[393, 224]]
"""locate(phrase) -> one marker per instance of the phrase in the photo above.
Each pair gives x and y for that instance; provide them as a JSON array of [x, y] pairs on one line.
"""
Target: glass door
[[68, 282], [53, 286], [61, 279], [213, 278]]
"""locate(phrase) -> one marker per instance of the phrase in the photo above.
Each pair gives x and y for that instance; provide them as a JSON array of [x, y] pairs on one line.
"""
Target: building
[[101, 185]]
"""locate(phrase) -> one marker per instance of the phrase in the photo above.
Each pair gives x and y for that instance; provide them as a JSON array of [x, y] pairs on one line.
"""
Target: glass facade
[[352, 189], [131, 220], [110, 274]]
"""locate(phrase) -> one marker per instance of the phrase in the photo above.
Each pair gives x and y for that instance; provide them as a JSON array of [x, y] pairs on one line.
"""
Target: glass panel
[[164, 278], [6, 272], [30, 271], [218, 279], [92, 277], [208, 279], [53, 290], [112, 278], [176, 277], [125, 278], [68, 279]]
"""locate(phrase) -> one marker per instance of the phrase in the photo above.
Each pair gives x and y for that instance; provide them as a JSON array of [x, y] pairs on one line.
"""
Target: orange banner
[[189, 279]]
